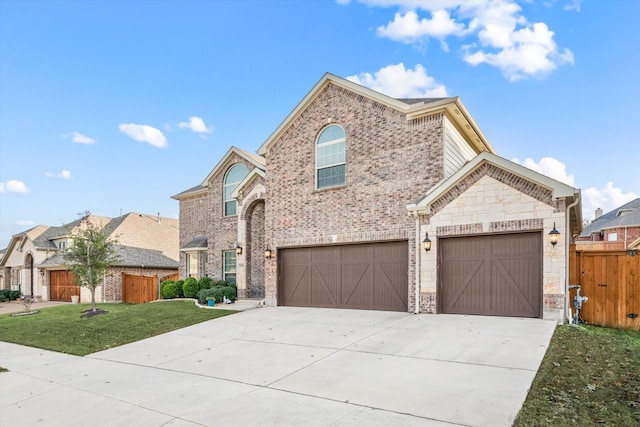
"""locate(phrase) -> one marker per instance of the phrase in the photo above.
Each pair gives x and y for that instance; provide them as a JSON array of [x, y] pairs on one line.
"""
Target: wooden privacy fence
[[611, 281], [175, 277], [139, 289]]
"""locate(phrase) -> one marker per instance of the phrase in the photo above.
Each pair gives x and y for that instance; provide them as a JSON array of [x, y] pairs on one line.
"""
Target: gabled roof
[[129, 257], [257, 161], [413, 108], [558, 189], [627, 215], [254, 174]]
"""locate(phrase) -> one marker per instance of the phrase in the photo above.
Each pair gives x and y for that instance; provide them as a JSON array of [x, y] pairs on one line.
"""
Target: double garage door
[[369, 276], [492, 275]]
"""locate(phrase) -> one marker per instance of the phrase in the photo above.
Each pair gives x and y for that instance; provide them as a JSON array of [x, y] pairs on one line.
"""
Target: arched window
[[330, 157], [234, 175]]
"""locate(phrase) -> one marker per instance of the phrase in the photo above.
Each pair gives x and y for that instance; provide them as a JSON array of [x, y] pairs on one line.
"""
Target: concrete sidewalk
[[288, 366]]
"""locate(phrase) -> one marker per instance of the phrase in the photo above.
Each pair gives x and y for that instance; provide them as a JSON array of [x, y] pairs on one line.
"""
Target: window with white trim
[[229, 266], [612, 237], [331, 157], [234, 176]]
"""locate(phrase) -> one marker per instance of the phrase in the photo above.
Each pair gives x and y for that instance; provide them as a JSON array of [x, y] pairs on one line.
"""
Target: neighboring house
[[33, 262], [334, 211], [618, 230]]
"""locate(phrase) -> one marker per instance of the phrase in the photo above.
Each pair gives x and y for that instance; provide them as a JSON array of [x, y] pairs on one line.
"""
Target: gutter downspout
[[566, 256], [418, 257]]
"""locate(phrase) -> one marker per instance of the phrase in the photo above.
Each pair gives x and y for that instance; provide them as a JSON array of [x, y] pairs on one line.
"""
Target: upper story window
[[236, 174], [330, 157]]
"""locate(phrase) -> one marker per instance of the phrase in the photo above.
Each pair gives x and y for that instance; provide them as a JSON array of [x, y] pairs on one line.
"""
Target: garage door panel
[[362, 276], [296, 292], [492, 275]]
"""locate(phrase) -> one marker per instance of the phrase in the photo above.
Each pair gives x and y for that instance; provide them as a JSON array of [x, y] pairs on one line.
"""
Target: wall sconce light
[[554, 236], [238, 249], [42, 272], [268, 253], [632, 252], [426, 243]]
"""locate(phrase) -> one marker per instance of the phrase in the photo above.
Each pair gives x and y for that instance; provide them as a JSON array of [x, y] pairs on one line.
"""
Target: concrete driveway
[[284, 366]]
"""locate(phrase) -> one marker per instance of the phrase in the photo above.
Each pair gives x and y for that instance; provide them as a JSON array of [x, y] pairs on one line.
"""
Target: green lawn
[[62, 329], [590, 376]]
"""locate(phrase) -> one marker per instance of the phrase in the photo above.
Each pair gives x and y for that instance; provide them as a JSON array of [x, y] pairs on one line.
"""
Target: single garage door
[[369, 276], [62, 285], [497, 275]]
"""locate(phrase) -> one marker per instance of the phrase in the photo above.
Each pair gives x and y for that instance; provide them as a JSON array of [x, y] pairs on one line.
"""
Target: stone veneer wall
[[494, 201], [390, 162]]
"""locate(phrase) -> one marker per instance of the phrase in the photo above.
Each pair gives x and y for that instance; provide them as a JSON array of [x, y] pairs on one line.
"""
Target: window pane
[[331, 154], [330, 134], [328, 177], [230, 208], [236, 174], [229, 268]]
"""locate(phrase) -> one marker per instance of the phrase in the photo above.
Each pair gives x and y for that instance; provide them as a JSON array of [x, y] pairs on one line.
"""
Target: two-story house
[[359, 200]]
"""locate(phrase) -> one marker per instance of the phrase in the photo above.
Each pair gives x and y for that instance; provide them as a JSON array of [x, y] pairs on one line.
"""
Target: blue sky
[[114, 106]]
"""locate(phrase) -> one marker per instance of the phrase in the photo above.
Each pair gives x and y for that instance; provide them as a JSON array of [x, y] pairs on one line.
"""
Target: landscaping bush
[[179, 285], [190, 287], [217, 292], [5, 294], [170, 290], [205, 283], [14, 295], [163, 284], [220, 283]]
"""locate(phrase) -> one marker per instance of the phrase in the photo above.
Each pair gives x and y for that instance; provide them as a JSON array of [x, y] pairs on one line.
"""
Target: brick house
[[617, 230], [33, 262], [334, 211]]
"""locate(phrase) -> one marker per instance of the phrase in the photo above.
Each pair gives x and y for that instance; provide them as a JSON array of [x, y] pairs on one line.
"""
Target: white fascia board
[[317, 88], [247, 180], [559, 189], [229, 153], [193, 249]]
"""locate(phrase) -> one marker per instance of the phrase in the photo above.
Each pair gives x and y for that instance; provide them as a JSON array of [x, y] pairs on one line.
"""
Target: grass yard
[[62, 329], [590, 376]]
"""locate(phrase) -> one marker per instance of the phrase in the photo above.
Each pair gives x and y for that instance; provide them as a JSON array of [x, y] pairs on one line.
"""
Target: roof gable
[[624, 216], [254, 159], [412, 108]]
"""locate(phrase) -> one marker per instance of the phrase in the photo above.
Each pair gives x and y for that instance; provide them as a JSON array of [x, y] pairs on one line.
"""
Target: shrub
[[2, 298], [163, 284], [5, 294], [190, 287], [179, 285], [217, 292], [170, 290], [14, 295], [205, 283], [219, 283]]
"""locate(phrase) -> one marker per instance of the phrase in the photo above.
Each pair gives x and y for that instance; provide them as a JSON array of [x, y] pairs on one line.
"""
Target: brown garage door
[[369, 276], [62, 285], [492, 275]]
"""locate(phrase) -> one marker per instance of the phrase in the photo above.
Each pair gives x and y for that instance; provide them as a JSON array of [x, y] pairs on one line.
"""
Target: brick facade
[[390, 161]]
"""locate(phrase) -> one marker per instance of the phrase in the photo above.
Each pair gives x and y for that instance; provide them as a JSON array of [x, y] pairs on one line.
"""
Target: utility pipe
[[567, 231], [418, 253]]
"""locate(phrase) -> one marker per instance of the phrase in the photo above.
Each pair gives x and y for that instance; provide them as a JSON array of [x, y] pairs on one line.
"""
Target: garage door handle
[[602, 284]]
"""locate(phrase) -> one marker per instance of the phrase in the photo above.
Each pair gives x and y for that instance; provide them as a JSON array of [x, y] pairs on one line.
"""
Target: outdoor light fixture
[[632, 252], [426, 243], [554, 235], [239, 249], [42, 272], [267, 253]]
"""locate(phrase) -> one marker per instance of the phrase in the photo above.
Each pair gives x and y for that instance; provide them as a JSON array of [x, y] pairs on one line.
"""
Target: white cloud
[[24, 223], [491, 32], [144, 133], [573, 5], [607, 198], [63, 174], [196, 124], [79, 138], [13, 186], [399, 82], [408, 28], [550, 167]]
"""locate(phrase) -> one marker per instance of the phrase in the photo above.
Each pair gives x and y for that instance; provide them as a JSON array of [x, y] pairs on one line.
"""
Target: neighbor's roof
[[627, 215], [412, 108], [130, 257]]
